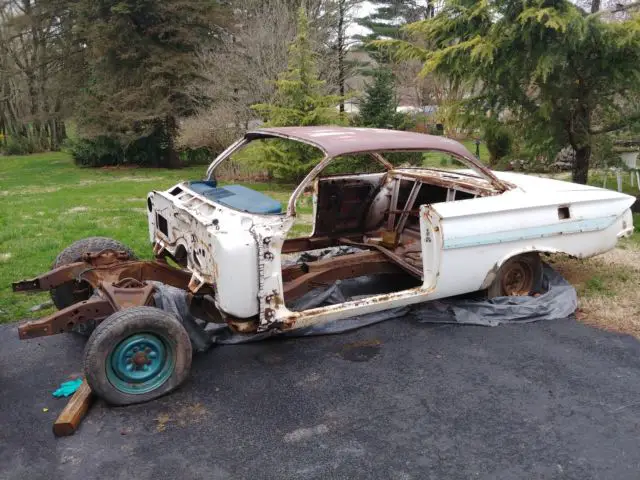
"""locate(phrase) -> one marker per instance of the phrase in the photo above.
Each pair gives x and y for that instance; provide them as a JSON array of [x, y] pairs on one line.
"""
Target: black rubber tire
[[120, 325], [531, 260], [68, 293]]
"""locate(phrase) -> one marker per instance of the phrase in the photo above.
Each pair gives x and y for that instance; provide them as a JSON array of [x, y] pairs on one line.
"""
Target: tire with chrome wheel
[[137, 355], [520, 275]]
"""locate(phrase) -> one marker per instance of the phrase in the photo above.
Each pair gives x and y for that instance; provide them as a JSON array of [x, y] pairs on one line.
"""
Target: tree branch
[[619, 8], [612, 127]]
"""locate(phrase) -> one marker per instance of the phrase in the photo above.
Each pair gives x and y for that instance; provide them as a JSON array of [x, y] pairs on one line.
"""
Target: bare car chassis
[[118, 282]]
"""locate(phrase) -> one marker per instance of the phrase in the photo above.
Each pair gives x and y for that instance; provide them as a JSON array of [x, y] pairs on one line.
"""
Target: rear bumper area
[[627, 224]]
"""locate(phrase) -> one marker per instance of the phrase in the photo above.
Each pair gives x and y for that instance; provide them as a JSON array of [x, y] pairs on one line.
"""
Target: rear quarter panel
[[479, 234]]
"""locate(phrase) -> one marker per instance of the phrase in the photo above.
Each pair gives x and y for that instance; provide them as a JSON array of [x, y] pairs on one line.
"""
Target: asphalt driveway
[[397, 400]]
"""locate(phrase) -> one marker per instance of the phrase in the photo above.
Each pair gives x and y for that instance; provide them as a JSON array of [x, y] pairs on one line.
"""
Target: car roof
[[336, 141], [345, 140]]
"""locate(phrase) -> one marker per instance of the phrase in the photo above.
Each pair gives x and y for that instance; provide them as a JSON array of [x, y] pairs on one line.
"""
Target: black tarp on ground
[[557, 300]]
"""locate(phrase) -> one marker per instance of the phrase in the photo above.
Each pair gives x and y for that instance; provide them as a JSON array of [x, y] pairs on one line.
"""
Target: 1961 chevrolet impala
[[455, 231], [452, 231]]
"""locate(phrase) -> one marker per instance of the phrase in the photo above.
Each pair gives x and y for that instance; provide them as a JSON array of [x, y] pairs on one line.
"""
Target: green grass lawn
[[46, 203], [441, 160]]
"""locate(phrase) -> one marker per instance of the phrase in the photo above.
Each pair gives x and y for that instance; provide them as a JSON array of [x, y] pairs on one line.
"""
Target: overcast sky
[[361, 10], [366, 8]]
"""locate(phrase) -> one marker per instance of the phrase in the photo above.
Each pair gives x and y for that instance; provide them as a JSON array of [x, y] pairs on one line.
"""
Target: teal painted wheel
[[136, 355], [140, 363]]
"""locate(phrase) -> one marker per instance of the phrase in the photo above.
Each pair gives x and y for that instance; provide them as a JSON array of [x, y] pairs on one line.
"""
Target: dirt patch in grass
[[608, 288], [78, 209]]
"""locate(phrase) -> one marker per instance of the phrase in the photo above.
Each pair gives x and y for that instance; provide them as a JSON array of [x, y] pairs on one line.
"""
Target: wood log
[[69, 419]]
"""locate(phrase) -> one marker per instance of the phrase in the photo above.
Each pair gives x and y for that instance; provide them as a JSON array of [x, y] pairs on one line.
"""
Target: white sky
[[365, 8], [362, 10]]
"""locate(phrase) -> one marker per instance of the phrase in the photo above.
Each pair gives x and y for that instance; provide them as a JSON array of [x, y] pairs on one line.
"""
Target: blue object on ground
[[237, 196], [68, 388]]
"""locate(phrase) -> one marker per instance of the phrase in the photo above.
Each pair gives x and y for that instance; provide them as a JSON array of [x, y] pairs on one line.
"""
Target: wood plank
[[69, 419]]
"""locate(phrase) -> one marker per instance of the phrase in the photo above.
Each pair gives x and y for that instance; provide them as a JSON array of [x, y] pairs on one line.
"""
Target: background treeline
[[167, 82]]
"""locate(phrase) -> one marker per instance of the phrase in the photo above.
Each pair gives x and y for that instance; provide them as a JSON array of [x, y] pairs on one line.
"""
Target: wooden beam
[[69, 420]]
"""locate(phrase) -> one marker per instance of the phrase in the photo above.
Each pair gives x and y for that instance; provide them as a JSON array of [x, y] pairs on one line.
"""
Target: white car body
[[452, 247]]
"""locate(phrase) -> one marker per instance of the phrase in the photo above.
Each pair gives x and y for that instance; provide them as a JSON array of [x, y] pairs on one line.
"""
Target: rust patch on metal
[[517, 279], [242, 325], [105, 257], [119, 284], [128, 293], [64, 320], [326, 271]]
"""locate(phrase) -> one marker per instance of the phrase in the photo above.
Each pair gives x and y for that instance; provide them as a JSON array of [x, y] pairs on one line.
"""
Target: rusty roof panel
[[335, 141], [344, 140]]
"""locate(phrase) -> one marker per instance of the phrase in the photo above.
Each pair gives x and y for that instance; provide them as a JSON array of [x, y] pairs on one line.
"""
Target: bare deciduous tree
[[243, 70], [36, 56]]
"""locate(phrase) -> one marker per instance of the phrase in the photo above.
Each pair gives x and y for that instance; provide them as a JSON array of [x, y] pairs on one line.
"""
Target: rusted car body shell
[[453, 246]]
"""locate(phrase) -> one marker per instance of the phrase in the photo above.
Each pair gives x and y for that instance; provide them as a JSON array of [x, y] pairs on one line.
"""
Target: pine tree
[[300, 100], [378, 109], [388, 20], [379, 106], [141, 64], [561, 74]]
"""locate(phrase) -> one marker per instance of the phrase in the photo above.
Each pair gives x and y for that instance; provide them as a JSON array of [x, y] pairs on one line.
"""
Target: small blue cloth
[[68, 388]]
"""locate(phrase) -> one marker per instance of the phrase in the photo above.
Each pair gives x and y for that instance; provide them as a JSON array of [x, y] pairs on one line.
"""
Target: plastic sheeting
[[557, 300]]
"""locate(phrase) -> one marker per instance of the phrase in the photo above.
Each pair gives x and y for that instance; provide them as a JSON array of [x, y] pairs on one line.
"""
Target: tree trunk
[[172, 157], [595, 6], [580, 169], [53, 125], [341, 53]]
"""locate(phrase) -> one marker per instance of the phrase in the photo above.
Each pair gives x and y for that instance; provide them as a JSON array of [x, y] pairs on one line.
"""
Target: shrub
[[213, 130], [147, 151], [18, 145], [97, 152], [196, 156], [499, 141]]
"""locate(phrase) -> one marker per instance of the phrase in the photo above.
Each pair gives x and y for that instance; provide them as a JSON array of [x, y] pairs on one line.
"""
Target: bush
[[18, 145], [97, 152], [146, 151], [213, 130], [196, 156], [499, 141]]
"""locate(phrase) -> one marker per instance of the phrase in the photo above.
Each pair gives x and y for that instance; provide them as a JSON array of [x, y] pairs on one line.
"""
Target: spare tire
[[73, 292]]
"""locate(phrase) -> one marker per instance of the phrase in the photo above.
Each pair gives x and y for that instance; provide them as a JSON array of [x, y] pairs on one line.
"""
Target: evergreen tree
[[388, 20], [379, 110], [561, 74], [379, 106], [300, 100], [141, 64]]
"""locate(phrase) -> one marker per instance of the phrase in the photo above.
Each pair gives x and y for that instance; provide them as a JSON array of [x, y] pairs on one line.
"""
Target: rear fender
[[514, 253]]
